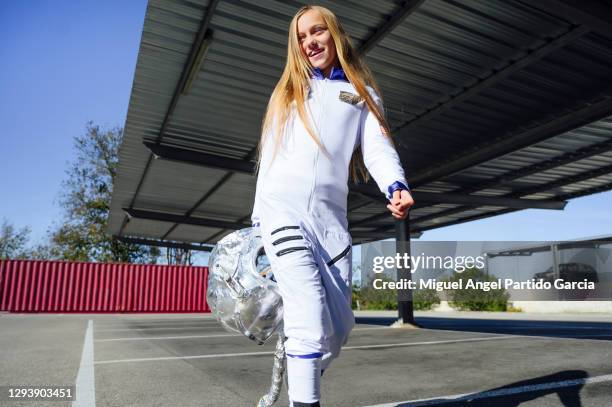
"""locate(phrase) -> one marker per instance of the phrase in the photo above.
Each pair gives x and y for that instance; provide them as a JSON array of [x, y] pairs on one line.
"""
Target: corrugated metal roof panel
[[457, 78]]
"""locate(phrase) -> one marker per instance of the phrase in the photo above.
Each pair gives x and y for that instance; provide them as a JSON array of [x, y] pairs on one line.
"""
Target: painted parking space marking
[[85, 381], [242, 354], [160, 329], [153, 338]]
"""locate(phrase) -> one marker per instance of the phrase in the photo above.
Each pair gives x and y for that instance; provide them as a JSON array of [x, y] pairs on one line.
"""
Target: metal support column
[[404, 297]]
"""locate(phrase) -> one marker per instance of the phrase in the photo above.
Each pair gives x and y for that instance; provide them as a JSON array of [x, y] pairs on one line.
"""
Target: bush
[[368, 298], [371, 299], [477, 300], [424, 300]]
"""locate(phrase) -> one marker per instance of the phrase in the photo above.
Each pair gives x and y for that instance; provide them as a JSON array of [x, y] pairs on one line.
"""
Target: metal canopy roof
[[496, 106]]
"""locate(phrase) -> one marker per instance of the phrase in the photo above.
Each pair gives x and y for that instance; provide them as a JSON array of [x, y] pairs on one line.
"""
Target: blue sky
[[67, 62], [63, 63]]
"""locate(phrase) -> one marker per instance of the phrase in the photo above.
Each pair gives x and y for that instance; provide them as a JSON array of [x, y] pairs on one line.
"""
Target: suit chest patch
[[349, 97]]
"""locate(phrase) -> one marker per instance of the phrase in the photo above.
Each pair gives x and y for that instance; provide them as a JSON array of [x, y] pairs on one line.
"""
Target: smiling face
[[316, 42]]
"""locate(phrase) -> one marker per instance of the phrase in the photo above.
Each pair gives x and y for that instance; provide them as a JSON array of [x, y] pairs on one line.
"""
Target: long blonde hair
[[293, 86]]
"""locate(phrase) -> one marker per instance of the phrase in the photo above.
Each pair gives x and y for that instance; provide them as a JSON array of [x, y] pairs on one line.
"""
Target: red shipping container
[[64, 286]]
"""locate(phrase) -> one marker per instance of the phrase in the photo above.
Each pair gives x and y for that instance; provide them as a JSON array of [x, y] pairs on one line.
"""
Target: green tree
[[85, 199], [13, 242], [179, 256]]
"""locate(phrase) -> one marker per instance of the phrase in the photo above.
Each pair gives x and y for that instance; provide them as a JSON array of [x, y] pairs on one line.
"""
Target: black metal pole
[[402, 245]]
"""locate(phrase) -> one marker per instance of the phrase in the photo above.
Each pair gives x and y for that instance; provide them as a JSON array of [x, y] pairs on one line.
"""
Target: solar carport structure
[[496, 106]]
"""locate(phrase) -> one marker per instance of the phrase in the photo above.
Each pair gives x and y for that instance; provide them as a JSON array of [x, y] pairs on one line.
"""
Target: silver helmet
[[242, 292]]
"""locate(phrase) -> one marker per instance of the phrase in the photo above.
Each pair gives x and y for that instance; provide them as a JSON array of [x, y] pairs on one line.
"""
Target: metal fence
[[62, 286]]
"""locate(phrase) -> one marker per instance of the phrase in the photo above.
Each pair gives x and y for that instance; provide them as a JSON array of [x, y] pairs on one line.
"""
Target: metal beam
[[512, 203], [221, 233], [494, 77], [554, 162], [203, 38], [584, 192], [365, 234], [588, 191], [372, 192], [370, 219], [370, 235], [209, 193], [368, 190], [585, 114], [447, 212], [215, 223], [163, 243], [597, 15], [586, 175], [196, 64], [464, 199], [563, 159], [466, 219], [392, 21], [532, 190], [421, 197], [187, 220], [566, 180], [183, 155]]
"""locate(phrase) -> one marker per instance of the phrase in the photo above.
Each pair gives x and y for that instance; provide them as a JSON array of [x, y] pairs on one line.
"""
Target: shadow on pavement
[[565, 384]]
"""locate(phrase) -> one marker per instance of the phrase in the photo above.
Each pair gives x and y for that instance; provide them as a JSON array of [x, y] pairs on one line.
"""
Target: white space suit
[[301, 208]]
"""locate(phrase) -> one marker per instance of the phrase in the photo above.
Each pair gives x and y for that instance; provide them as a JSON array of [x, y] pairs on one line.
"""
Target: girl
[[324, 118]]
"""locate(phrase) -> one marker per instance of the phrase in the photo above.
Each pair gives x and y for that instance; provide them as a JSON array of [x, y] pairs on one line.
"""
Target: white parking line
[[396, 345], [156, 338], [123, 323], [221, 335], [367, 328], [499, 392], [207, 315], [226, 355], [85, 381], [160, 329], [153, 338]]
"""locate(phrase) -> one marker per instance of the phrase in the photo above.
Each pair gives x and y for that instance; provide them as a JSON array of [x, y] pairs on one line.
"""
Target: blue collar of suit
[[336, 74]]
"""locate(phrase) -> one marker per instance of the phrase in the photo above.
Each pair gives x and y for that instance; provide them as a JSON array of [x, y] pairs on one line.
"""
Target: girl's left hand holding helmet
[[400, 203]]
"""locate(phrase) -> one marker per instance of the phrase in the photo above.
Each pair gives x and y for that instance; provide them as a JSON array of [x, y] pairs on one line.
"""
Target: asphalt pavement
[[452, 359]]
